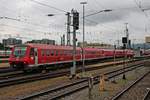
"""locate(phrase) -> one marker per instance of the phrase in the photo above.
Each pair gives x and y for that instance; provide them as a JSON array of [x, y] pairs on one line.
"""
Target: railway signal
[[124, 41], [75, 27], [75, 20]]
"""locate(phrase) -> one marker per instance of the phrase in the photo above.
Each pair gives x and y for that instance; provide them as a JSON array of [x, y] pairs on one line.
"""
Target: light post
[[83, 57], [49, 15], [105, 10], [83, 42]]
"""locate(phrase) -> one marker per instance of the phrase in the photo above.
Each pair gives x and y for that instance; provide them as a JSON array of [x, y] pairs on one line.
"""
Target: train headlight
[[32, 58]]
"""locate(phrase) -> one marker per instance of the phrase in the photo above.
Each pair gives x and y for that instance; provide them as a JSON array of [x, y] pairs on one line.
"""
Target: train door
[[36, 56]]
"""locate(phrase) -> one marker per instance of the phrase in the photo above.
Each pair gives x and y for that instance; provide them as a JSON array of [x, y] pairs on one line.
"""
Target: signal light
[[124, 39], [76, 20]]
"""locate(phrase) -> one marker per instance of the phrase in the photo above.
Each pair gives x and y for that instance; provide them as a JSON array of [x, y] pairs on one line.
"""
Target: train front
[[19, 57]]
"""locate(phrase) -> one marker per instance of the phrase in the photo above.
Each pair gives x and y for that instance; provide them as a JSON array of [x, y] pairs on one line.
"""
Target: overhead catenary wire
[[31, 23], [46, 5], [140, 7], [94, 22], [30, 30]]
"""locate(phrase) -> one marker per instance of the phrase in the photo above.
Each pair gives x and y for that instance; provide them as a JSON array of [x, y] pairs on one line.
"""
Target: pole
[[125, 63], [125, 51], [127, 35], [68, 28], [73, 69], [114, 60], [63, 39], [118, 44], [83, 44]]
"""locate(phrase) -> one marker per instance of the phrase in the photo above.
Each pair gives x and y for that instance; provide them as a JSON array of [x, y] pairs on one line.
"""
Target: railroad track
[[10, 73], [64, 90], [147, 95], [41, 76], [136, 90], [8, 69], [7, 72]]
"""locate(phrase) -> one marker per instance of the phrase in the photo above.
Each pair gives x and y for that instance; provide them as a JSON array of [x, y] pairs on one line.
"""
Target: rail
[[129, 87], [65, 90]]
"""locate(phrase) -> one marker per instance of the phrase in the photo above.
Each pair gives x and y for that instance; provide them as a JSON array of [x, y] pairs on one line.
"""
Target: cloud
[[34, 19]]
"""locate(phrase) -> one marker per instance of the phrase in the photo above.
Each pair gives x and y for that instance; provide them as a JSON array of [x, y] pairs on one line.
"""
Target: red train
[[146, 52], [31, 55]]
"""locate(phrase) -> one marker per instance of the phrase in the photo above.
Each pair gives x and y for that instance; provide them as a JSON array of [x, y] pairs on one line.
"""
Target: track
[[7, 70], [64, 90], [136, 90], [11, 74], [6, 73], [35, 77], [147, 96]]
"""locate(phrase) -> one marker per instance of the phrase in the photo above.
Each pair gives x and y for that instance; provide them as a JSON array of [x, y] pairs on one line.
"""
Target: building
[[43, 41], [147, 39], [11, 41]]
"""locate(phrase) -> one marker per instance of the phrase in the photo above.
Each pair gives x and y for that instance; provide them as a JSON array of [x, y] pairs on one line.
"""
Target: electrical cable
[[40, 3]]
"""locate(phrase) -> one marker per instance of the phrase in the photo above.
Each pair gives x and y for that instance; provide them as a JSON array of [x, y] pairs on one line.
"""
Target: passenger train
[[38, 55], [4, 53]]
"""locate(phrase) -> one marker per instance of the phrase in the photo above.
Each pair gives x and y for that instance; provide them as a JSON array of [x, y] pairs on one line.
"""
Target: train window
[[47, 53], [19, 51], [35, 54], [56, 53], [52, 53], [65, 52], [42, 52]]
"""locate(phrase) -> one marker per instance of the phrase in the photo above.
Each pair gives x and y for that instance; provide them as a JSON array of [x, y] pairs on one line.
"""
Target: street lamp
[[105, 10], [83, 57], [50, 15]]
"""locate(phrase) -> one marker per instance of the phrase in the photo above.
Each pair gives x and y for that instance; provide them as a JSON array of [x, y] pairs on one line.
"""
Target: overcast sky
[[31, 20]]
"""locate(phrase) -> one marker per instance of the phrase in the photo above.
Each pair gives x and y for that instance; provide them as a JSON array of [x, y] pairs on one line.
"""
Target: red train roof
[[46, 46]]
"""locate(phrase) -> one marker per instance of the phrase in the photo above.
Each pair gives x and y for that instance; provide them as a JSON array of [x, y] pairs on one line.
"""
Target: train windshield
[[19, 51]]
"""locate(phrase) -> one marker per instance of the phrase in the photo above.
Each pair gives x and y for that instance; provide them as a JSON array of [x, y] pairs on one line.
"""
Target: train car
[[5, 53], [130, 53], [31, 55], [38, 55], [119, 53], [108, 53], [145, 52]]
